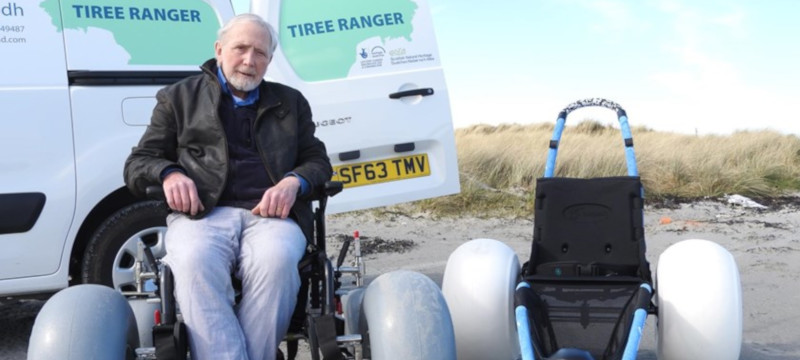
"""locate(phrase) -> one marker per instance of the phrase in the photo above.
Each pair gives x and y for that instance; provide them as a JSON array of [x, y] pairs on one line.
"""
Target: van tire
[[112, 250]]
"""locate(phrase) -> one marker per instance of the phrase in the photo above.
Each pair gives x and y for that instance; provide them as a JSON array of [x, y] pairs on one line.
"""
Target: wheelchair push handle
[[630, 157], [600, 102]]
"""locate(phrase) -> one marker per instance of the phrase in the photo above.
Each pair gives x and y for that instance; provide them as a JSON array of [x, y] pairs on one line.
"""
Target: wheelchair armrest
[[330, 188], [155, 192], [326, 190], [333, 187]]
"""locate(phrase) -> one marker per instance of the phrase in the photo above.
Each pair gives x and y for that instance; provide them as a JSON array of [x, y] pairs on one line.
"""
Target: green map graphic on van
[[153, 32], [320, 41]]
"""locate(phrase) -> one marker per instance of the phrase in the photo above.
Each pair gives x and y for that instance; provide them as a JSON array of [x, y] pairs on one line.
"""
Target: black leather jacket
[[186, 130]]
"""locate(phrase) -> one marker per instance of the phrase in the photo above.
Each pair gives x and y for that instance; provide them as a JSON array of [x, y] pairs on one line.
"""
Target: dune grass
[[499, 164]]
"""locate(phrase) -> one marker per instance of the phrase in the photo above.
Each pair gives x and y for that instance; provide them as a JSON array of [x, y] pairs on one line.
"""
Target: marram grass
[[499, 165]]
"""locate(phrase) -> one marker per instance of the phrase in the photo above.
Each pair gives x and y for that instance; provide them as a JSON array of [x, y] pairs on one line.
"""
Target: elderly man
[[237, 159]]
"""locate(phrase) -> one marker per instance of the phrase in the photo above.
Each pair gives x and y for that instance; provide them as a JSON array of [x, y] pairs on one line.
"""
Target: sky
[[687, 66], [696, 67]]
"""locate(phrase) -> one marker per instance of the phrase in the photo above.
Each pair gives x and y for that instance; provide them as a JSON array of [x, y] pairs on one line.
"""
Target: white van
[[77, 91]]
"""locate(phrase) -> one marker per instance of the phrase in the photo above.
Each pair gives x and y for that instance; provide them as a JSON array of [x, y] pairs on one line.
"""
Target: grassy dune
[[499, 164]]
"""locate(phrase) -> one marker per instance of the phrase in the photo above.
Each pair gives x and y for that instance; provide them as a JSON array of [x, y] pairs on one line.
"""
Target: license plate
[[373, 172]]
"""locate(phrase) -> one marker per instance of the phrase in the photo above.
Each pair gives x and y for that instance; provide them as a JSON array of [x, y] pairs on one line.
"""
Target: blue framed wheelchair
[[586, 291]]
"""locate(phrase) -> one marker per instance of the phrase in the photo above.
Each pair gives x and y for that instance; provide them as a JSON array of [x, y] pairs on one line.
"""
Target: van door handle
[[415, 92]]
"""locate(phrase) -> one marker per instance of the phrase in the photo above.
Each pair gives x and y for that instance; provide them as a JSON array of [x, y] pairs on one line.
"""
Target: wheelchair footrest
[[348, 340], [571, 354], [170, 341]]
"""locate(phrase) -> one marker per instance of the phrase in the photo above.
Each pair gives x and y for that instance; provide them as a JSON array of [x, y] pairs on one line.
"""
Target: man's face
[[243, 55]]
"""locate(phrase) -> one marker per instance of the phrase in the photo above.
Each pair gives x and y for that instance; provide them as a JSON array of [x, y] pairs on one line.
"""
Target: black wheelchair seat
[[584, 279], [313, 317], [586, 289]]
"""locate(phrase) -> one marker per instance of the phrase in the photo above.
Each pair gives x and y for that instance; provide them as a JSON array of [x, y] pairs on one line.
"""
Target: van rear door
[[371, 71]]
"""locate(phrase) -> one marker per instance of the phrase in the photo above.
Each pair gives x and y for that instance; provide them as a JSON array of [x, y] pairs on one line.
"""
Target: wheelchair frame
[[315, 316], [587, 289], [380, 321]]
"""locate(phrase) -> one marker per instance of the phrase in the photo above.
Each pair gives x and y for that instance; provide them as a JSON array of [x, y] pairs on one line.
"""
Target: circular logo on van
[[378, 51]]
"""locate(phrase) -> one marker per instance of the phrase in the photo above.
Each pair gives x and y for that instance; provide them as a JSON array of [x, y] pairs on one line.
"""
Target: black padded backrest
[[589, 227]]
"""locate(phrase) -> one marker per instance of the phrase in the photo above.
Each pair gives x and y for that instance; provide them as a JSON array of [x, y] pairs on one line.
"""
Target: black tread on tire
[[111, 250]]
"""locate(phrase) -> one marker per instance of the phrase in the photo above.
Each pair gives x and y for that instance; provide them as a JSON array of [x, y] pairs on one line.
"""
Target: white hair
[[255, 19]]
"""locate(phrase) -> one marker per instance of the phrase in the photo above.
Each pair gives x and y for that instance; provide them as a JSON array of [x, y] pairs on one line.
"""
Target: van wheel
[[112, 250]]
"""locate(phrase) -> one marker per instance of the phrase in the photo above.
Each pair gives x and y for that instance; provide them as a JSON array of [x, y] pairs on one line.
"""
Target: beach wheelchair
[[337, 314], [586, 290]]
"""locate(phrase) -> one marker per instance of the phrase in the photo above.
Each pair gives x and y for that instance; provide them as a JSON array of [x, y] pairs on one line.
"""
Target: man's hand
[[279, 199], [181, 194]]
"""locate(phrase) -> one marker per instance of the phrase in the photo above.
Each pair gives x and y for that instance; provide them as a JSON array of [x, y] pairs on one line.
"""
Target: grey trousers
[[263, 253]]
